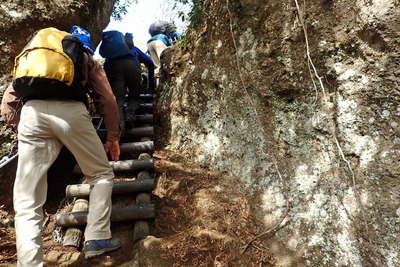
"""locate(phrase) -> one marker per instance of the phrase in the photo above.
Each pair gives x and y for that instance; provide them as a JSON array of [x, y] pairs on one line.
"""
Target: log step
[[73, 236], [144, 118], [146, 131], [146, 106], [126, 165], [140, 132], [83, 190], [141, 229], [137, 147], [146, 96], [98, 122], [71, 219], [132, 165]]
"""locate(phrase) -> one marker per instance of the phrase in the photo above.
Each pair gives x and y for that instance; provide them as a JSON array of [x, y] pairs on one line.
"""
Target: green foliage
[[196, 13], [185, 42], [121, 8]]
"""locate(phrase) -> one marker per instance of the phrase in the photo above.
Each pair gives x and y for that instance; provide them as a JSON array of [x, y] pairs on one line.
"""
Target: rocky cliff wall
[[320, 152], [20, 19]]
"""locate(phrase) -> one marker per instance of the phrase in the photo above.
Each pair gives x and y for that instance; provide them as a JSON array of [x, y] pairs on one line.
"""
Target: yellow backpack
[[50, 66]]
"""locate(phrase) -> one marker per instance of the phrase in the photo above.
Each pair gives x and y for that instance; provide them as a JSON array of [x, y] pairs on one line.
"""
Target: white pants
[[45, 126], [155, 48]]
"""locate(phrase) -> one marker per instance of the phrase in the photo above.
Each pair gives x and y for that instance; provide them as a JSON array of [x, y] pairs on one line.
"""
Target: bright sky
[[141, 15]]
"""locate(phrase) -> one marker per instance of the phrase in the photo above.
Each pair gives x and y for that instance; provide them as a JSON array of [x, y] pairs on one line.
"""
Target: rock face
[[20, 19], [241, 97]]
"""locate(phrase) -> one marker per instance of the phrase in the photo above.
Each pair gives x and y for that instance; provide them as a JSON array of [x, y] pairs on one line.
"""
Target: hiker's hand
[[112, 147], [14, 125]]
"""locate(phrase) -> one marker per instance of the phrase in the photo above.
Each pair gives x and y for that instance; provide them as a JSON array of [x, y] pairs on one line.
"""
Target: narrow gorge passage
[[276, 135], [162, 229]]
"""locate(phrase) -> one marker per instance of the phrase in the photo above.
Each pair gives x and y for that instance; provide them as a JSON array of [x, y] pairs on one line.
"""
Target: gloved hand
[[112, 147]]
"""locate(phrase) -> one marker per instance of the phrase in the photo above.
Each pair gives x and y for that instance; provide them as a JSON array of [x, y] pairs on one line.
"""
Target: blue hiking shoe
[[93, 248]]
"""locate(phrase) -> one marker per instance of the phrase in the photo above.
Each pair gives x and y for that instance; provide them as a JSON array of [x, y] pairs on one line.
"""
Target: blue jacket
[[83, 36], [161, 37], [140, 57], [175, 36]]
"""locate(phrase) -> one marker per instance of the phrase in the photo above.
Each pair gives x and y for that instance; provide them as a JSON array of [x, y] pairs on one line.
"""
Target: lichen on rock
[[250, 110]]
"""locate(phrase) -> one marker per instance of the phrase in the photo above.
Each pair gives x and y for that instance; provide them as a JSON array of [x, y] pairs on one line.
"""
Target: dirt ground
[[203, 219], [7, 136], [7, 140]]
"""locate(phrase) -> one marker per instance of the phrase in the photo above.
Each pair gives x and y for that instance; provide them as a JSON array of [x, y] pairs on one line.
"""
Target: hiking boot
[[93, 248]]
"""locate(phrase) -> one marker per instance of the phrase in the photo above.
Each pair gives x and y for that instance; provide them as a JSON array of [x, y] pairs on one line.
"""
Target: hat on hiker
[[83, 36]]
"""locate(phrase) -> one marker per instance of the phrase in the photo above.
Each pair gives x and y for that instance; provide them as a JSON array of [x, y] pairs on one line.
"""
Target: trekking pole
[[7, 159]]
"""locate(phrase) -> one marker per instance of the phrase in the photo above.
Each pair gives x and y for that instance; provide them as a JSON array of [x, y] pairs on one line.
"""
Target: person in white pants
[[155, 48], [44, 127]]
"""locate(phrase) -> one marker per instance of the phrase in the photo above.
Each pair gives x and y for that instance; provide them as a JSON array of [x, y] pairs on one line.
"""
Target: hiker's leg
[[153, 54], [159, 47], [37, 150], [115, 74], [80, 137], [133, 78], [156, 48]]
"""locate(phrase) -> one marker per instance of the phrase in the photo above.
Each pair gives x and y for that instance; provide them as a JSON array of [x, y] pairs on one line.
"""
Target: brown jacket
[[104, 100]]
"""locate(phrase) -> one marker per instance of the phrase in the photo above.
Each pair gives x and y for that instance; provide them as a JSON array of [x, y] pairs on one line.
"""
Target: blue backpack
[[83, 36], [113, 45]]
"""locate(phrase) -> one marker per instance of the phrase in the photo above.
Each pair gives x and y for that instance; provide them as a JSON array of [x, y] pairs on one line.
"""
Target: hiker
[[175, 36], [158, 42], [170, 29], [163, 34], [54, 115], [140, 57], [123, 73]]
